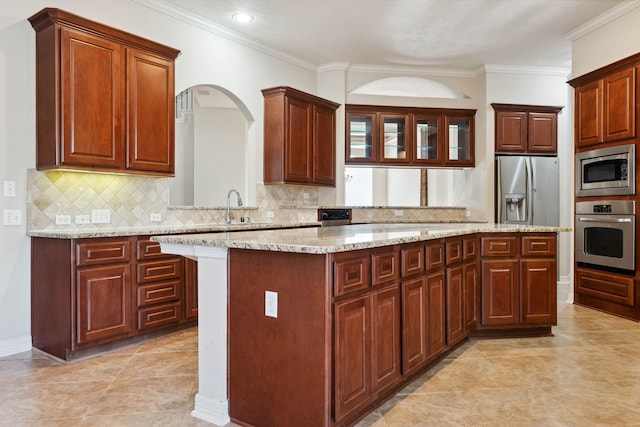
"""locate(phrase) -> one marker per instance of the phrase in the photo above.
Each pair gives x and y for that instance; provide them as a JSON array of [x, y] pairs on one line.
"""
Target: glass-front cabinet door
[[396, 140], [361, 138], [459, 137], [426, 148]]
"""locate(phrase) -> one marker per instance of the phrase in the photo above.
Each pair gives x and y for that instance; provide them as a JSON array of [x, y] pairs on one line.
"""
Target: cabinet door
[[619, 103], [103, 303], [395, 138], [500, 292], [414, 324], [543, 133], [511, 132], [436, 322], [470, 291], [455, 306], [324, 146], [385, 338], [150, 113], [538, 291], [190, 289], [459, 137], [92, 91], [297, 154], [352, 354], [362, 132], [588, 120], [427, 148]]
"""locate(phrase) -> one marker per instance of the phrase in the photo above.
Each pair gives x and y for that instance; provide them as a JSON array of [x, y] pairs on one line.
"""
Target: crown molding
[[333, 66], [602, 19], [222, 31], [515, 69], [385, 69]]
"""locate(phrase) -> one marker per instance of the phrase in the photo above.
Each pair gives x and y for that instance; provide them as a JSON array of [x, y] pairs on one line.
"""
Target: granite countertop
[[325, 240], [83, 233]]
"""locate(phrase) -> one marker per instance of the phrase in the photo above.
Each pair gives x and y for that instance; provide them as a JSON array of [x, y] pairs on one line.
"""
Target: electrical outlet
[[63, 219], [270, 304], [82, 219], [101, 216], [156, 217], [12, 217], [270, 214], [305, 195], [10, 189], [399, 212], [467, 214]]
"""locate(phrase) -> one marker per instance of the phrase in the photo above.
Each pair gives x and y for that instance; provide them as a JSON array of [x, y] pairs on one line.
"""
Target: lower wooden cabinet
[[436, 318], [87, 292]]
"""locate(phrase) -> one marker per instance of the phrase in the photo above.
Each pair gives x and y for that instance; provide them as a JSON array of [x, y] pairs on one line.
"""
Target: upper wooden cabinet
[[403, 136], [299, 138], [605, 105], [526, 129], [104, 97]]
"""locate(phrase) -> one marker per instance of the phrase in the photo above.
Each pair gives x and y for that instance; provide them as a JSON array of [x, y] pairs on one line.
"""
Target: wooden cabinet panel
[[619, 105], [455, 304], [526, 129], [588, 120], [385, 338], [435, 256], [499, 246], [511, 131], [152, 271], [453, 251], [396, 140], [157, 293], [385, 267], [103, 304], [470, 248], [537, 293], [298, 141], [102, 251], [543, 133], [150, 113], [351, 275], [436, 322], [158, 316], [324, 153], [499, 292], [470, 295], [412, 260], [539, 246], [606, 286], [190, 289], [414, 324], [92, 100], [352, 355], [146, 249], [104, 98]]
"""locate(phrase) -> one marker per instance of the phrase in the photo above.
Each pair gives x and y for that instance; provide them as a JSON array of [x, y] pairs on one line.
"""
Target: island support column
[[212, 401]]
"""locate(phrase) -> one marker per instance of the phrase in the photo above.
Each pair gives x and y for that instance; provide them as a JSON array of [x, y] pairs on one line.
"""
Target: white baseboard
[[15, 345], [211, 410]]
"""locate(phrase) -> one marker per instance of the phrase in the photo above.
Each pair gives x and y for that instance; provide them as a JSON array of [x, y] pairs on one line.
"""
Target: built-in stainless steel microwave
[[606, 171]]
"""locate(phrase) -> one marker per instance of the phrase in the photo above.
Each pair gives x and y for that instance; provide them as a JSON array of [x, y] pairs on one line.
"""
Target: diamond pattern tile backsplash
[[132, 200]]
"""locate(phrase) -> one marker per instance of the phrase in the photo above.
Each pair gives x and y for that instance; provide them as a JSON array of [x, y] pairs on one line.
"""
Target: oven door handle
[[617, 220]]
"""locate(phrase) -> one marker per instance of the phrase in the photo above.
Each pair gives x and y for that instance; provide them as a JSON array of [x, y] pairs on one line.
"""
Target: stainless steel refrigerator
[[527, 190]]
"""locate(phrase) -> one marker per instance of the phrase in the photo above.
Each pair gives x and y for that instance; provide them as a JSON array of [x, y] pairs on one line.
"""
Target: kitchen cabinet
[[406, 136], [190, 289], [519, 279], [605, 106], [299, 138], [104, 98], [89, 292], [526, 129]]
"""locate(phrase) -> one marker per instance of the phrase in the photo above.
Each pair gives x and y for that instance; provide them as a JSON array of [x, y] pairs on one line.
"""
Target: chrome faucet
[[229, 216]]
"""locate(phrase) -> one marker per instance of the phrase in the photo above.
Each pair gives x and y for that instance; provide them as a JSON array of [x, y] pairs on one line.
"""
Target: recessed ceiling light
[[242, 17]]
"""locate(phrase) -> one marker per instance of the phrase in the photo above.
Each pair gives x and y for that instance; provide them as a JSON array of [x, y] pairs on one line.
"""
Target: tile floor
[[588, 374]]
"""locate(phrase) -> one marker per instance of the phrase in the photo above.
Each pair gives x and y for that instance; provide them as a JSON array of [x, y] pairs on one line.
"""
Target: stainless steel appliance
[[605, 235], [335, 216], [527, 190], [606, 171]]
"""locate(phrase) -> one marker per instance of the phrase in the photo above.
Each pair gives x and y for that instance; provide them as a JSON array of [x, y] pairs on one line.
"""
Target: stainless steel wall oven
[[605, 235]]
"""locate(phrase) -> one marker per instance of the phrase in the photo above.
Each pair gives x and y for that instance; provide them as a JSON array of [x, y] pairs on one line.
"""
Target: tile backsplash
[[132, 199]]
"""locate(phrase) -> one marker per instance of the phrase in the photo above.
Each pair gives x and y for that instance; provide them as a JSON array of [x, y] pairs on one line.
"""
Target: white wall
[[206, 59]]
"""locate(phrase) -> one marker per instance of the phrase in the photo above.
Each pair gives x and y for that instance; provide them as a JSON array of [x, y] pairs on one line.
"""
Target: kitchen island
[[318, 326]]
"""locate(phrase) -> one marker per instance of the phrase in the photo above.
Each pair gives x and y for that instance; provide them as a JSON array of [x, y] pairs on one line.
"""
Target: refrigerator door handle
[[498, 193], [530, 190]]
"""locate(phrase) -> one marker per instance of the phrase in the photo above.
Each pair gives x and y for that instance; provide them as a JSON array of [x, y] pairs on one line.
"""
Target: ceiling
[[443, 34]]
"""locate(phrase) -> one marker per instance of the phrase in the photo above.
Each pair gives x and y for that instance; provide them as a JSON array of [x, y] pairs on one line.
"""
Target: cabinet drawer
[[103, 252], [163, 315], [146, 249], [453, 251], [159, 270], [385, 267], [606, 286], [412, 260], [435, 256], [469, 249], [499, 246], [539, 245], [156, 293], [350, 275]]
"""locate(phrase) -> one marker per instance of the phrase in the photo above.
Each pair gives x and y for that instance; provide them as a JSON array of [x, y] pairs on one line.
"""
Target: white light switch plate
[[12, 217], [101, 216], [63, 219]]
